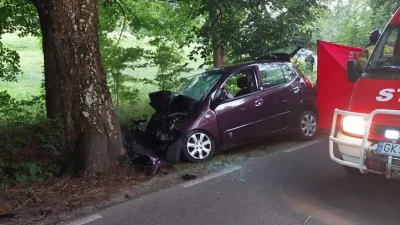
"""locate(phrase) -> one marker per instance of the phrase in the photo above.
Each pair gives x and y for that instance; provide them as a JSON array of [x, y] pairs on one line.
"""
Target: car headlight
[[354, 125], [392, 134]]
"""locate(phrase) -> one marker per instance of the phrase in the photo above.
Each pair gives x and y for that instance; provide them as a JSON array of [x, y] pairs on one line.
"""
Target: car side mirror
[[216, 102], [353, 71], [219, 100]]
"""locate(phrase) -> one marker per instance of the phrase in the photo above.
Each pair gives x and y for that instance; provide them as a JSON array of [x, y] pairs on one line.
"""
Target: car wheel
[[199, 147], [307, 126]]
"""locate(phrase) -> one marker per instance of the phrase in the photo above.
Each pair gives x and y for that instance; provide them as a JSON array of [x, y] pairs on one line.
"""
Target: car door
[[296, 95], [277, 89], [236, 116]]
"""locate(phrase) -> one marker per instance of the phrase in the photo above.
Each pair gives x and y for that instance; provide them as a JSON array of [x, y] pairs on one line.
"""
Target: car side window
[[288, 72], [239, 84], [272, 74]]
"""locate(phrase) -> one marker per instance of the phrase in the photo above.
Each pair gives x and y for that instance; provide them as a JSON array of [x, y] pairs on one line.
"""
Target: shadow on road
[[315, 184]]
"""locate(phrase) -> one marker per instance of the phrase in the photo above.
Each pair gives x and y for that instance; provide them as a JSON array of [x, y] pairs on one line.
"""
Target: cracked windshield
[[199, 85], [214, 112]]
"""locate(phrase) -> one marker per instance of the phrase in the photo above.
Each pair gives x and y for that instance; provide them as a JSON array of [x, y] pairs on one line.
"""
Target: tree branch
[[131, 12], [124, 24], [190, 14], [174, 1]]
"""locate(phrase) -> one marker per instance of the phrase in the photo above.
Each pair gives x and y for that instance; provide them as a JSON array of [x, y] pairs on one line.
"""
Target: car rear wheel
[[199, 147], [307, 126]]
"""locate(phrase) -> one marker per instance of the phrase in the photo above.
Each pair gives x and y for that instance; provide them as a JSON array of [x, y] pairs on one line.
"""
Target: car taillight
[[309, 84]]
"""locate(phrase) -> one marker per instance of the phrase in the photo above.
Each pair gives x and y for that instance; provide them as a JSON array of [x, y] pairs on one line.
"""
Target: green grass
[[29, 81], [31, 58]]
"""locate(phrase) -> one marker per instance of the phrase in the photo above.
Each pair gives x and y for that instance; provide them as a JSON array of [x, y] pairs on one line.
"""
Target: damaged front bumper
[[152, 150], [158, 141]]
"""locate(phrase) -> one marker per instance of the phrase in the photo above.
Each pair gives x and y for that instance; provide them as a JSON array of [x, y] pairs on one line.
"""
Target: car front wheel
[[307, 126], [199, 147]]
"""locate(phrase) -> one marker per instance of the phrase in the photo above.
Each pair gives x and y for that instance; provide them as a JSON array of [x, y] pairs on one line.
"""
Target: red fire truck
[[365, 137]]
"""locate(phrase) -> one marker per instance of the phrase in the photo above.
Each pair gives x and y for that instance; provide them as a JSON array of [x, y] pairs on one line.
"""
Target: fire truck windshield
[[386, 55]]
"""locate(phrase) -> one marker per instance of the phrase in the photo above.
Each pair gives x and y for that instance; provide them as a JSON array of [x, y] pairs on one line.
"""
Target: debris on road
[[7, 216], [188, 177], [307, 220], [300, 221]]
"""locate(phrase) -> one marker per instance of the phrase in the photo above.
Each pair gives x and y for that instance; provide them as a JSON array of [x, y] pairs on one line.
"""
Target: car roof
[[230, 68]]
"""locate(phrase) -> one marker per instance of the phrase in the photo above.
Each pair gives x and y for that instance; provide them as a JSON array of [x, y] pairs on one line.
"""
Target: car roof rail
[[276, 57]]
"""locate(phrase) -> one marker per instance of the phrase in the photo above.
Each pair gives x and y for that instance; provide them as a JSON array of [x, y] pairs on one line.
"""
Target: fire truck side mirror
[[353, 72]]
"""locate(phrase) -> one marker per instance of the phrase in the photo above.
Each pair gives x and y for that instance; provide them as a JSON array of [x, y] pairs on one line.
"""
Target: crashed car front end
[[161, 138], [156, 141]]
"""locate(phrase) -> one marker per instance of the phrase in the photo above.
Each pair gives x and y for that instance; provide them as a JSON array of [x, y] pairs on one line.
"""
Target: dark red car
[[228, 107]]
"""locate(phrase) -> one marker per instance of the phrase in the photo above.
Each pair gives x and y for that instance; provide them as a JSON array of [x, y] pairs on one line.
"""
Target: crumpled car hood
[[168, 101]]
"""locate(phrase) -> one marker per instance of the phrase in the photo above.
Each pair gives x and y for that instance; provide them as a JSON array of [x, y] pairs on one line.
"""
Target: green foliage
[[23, 173], [311, 75], [116, 61], [9, 64], [14, 111], [170, 64], [119, 61], [31, 153], [246, 30], [232, 84], [351, 22], [18, 16], [172, 20]]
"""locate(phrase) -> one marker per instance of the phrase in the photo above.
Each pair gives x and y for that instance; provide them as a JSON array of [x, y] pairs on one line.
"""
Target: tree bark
[[215, 16], [93, 135], [53, 103]]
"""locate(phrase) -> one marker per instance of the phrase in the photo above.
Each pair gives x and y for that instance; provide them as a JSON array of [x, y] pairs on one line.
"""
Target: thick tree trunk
[[53, 103], [219, 57], [93, 135]]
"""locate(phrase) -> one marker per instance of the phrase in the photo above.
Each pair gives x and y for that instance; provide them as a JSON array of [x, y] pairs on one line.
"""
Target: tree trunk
[[215, 16], [53, 103], [93, 135]]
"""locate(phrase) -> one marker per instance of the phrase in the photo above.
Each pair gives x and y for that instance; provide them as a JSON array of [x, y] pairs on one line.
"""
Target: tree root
[[35, 219]]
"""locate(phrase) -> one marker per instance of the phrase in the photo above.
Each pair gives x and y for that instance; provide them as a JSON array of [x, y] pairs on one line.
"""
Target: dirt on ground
[[29, 205]]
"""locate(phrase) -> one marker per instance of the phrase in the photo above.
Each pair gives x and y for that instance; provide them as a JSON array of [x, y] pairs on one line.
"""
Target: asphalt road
[[285, 187]]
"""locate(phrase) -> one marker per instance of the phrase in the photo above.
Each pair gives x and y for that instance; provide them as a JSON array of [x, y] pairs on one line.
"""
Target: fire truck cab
[[365, 137]]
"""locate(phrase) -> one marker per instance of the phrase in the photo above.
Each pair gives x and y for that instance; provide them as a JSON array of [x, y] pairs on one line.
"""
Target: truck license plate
[[388, 149]]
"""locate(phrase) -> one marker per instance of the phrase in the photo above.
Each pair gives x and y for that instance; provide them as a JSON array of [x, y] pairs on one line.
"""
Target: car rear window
[[273, 74]]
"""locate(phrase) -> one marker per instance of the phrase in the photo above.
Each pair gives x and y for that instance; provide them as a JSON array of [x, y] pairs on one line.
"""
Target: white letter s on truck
[[385, 95]]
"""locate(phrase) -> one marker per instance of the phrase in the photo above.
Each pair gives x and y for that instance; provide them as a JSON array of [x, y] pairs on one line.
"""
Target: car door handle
[[296, 90], [259, 102]]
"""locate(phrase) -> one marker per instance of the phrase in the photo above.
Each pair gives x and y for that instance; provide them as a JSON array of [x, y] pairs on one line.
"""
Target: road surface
[[295, 185]]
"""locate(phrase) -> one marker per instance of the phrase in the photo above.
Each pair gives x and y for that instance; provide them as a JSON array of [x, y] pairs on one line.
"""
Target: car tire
[[352, 171], [307, 126], [199, 147]]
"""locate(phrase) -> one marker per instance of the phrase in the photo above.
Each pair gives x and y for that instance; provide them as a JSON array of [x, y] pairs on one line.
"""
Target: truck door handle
[[296, 90], [259, 102]]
